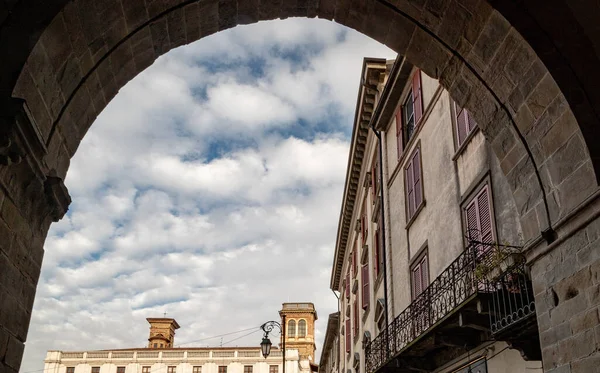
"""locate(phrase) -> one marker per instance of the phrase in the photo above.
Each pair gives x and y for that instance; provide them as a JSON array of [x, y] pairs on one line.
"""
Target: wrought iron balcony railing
[[481, 268]]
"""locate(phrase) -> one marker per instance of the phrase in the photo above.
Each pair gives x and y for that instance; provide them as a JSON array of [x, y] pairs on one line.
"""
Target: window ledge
[[464, 145], [414, 217]]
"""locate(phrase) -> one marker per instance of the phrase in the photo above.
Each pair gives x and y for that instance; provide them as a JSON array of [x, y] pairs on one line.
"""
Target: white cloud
[[209, 188]]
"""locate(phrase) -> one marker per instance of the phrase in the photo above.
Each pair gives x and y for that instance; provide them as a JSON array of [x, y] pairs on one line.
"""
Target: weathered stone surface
[[176, 25], [192, 22], [160, 36], [209, 17], [135, 14]]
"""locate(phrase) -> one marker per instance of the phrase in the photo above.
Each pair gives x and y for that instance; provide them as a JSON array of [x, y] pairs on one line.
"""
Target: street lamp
[[265, 345]]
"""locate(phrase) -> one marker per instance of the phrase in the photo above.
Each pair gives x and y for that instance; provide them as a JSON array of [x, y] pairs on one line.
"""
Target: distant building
[[423, 286], [162, 357]]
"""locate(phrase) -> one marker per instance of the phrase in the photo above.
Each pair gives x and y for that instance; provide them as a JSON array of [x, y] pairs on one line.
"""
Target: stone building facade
[[432, 258], [162, 355]]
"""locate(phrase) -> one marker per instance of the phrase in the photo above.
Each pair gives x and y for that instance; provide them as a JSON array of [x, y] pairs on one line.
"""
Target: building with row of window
[[162, 356], [427, 261]]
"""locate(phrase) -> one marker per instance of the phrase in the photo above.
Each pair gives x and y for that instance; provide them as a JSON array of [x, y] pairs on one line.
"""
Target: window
[[365, 285], [464, 124], [146, 369], [70, 369], [409, 114], [348, 283], [247, 369], [291, 328], [375, 179], [155, 345], [356, 318], [119, 370], [478, 216], [414, 186], [347, 335], [364, 222], [354, 260], [420, 276], [302, 328], [378, 252], [273, 368], [171, 369], [97, 370], [222, 369]]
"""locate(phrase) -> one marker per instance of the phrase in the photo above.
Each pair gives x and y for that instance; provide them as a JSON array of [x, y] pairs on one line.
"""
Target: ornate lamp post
[[265, 345]]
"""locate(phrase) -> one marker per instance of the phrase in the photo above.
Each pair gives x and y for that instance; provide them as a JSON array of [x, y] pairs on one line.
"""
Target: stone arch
[[531, 91]]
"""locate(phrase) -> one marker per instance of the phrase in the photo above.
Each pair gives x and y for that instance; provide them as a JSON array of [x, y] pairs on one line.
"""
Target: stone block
[[593, 294], [578, 186], [379, 21], [57, 42], [123, 66], [576, 347], [227, 14], [593, 231], [341, 11], [13, 317], [524, 87], [528, 195], [399, 34], [491, 37], [176, 26], [561, 369], [521, 60], [160, 36], [558, 133], [135, 13], [209, 17], [543, 320], [288, 8], [325, 10], [107, 78], [573, 244], [192, 22], [595, 269], [556, 334], [567, 308], [43, 75], [14, 352], [588, 255], [589, 364], [530, 226], [550, 356], [27, 89], [541, 97], [585, 320], [428, 53], [454, 25]]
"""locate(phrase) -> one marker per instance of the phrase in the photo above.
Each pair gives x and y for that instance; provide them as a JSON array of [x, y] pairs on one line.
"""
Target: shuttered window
[[356, 316], [414, 187], [377, 252], [348, 284], [374, 179], [399, 131], [365, 285], [420, 276], [355, 261], [479, 218], [364, 222], [411, 112], [348, 335], [464, 124]]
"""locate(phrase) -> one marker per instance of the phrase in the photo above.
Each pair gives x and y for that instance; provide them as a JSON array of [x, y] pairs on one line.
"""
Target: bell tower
[[299, 321], [162, 332]]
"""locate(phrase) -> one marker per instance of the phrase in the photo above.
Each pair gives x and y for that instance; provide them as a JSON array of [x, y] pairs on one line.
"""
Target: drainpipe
[[381, 190]]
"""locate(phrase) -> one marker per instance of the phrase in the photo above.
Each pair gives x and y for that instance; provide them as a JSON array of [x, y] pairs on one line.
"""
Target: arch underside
[[92, 48]]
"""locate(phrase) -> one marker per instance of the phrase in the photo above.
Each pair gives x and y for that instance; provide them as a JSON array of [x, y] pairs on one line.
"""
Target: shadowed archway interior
[[529, 88]]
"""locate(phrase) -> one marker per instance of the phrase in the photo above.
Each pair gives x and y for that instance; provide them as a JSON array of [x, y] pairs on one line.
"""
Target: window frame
[[410, 163], [469, 198], [172, 369], [302, 321], [97, 370], [121, 369], [420, 258], [294, 329], [365, 285], [273, 368], [222, 369], [197, 369], [70, 370]]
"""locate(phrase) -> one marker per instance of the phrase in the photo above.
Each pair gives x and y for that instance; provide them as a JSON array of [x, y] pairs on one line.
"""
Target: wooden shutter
[[462, 125], [485, 215], [365, 285], [399, 131], [424, 273], [416, 281], [356, 317], [377, 253], [416, 161], [410, 190], [365, 221], [417, 96], [354, 261], [374, 176], [348, 284], [348, 333]]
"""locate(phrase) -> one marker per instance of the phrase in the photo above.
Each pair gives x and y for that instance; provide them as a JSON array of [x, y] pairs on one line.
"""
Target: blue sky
[[210, 189]]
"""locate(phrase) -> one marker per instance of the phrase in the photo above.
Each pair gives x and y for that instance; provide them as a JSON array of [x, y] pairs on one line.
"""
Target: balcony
[[485, 294]]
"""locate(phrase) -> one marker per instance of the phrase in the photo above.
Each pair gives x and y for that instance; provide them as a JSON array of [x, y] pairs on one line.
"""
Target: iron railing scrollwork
[[470, 273]]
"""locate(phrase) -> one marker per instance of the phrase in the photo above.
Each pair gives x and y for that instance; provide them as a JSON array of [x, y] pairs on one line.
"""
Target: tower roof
[[153, 320]]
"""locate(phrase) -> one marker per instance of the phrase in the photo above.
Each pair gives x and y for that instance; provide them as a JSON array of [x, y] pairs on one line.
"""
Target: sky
[[210, 189]]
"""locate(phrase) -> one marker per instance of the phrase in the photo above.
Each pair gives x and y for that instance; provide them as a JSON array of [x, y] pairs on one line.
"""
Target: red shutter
[[416, 161], [462, 126], [354, 261], [376, 261], [348, 333], [365, 222], [410, 190], [417, 96], [374, 180], [399, 139], [365, 285], [485, 216], [356, 317], [348, 284]]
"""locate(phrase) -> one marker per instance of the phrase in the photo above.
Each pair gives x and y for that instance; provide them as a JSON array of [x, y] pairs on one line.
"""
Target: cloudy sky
[[210, 189]]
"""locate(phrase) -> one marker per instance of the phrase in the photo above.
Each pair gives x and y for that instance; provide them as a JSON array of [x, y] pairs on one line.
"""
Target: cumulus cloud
[[209, 189]]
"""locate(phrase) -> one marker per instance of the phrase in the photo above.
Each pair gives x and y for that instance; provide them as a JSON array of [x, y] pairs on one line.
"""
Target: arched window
[[292, 328], [302, 328]]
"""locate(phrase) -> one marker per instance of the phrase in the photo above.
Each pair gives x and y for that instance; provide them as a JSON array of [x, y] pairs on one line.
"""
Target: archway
[[506, 74]]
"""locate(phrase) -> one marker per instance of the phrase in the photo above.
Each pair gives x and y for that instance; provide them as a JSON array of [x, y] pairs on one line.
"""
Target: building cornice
[[330, 334], [365, 102]]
